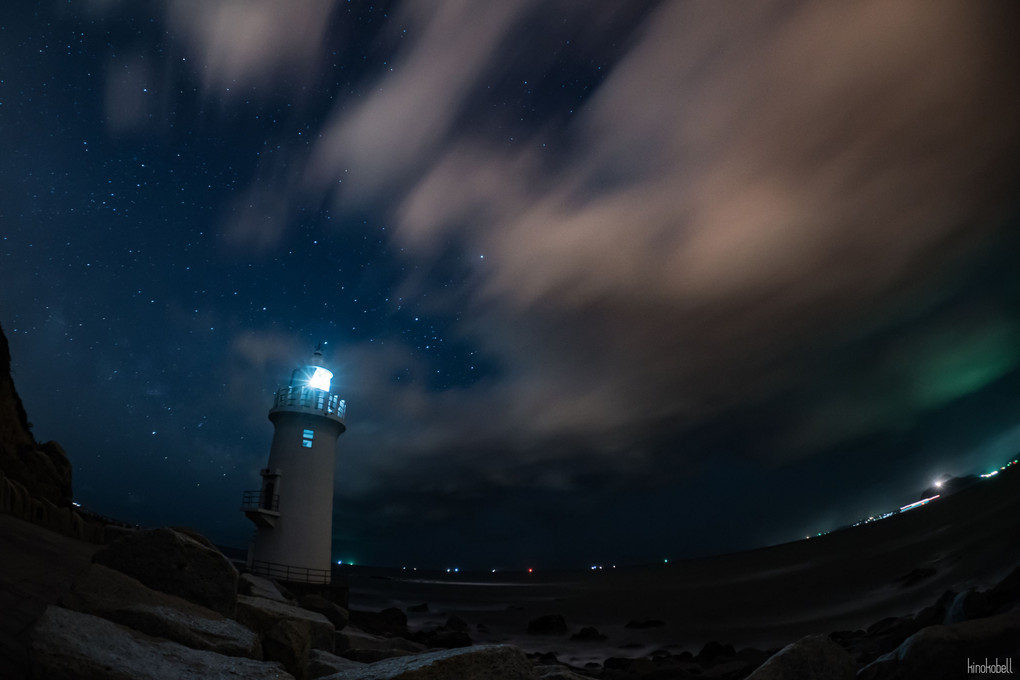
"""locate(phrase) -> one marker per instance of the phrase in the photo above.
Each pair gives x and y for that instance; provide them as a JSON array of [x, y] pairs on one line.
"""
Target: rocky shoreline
[[165, 603]]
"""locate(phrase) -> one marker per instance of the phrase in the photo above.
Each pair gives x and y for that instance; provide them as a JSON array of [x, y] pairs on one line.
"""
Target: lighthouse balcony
[[308, 399], [261, 508]]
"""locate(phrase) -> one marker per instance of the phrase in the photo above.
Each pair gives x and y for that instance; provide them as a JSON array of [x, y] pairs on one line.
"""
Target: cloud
[[747, 201], [413, 108], [246, 44], [743, 188], [741, 183]]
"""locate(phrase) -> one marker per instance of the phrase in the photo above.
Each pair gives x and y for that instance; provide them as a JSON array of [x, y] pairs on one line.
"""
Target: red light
[[530, 570]]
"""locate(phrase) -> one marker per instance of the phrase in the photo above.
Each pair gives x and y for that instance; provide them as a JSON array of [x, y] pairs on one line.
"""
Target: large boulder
[[287, 642], [69, 645], [815, 656], [365, 647], [486, 662], [177, 563], [336, 614], [322, 663], [258, 586], [261, 614], [932, 650], [970, 604], [288, 633], [117, 597]]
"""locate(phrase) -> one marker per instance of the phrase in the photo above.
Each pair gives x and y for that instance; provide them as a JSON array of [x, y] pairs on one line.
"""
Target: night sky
[[602, 282]]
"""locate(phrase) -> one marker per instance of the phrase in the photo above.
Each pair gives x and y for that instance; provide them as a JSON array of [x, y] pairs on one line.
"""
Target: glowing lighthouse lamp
[[293, 511]]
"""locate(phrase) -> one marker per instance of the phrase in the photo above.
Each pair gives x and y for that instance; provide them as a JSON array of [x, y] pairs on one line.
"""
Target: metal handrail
[[260, 500], [308, 397], [286, 572]]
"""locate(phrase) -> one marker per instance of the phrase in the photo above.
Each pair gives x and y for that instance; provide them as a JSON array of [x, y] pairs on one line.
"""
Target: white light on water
[[320, 379]]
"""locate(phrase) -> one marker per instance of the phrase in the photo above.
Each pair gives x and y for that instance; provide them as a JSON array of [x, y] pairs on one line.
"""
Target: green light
[[952, 366]]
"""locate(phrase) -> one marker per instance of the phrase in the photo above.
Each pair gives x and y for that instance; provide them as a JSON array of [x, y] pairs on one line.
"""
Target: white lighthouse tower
[[293, 511]]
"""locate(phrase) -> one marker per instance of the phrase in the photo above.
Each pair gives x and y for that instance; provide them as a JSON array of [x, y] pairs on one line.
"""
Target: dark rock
[[970, 604], [258, 586], [588, 634], [287, 641], [618, 663], [43, 469], [642, 668], [419, 608], [336, 614], [883, 626], [932, 614], [373, 655], [68, 645], [322, 663], [713, 651], [262, 615], [443, 638], [550, 624], [361, 646], [816, 657], [885, 635], [175, 563], [486, 662], [456, 623], [389, 621], [755, 657], [936, 650], [915, 576], [649, 623], [731, 669], [117, 597], [557, 672], [1006, 593], [336, 592]]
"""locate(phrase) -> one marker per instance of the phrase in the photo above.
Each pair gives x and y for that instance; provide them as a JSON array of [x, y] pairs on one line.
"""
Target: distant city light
[[990, 474], [320, 379], [923, 501]]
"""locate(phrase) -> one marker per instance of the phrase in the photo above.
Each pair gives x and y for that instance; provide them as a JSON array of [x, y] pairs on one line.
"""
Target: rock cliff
[[43, 469]]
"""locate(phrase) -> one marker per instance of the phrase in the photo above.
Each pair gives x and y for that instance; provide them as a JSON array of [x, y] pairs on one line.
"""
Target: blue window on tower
[[306, 438]]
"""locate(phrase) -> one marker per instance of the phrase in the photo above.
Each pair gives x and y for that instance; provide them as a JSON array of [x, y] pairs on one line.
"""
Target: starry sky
[[600, 281]]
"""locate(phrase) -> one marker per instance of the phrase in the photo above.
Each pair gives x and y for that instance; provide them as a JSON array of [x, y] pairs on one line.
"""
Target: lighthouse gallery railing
[[308, 397]]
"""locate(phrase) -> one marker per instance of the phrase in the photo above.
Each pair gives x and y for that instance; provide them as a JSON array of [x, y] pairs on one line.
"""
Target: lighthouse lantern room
[[293, 511]]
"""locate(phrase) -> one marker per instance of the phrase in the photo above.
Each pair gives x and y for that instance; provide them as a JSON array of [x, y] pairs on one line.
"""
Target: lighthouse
[[293, 511]]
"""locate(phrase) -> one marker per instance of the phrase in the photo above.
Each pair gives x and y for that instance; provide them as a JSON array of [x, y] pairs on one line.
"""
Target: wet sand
[[762, 598]]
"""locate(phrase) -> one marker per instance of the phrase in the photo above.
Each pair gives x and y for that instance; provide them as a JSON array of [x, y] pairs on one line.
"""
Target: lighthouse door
[[267, 495]]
